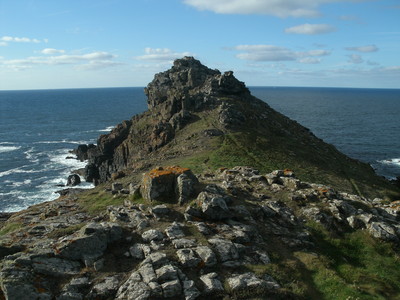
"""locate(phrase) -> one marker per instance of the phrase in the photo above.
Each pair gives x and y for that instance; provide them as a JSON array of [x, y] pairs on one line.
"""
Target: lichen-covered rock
[[185, 186], [188, 258], [162, 184], [174, 231], [225, 249], [383, 231], [206, 255], [166, 273], [190, 290], [211, 283], [134, 289], [54, 266], [152, 235], [105, 289], [172, 289], [246, 281], [213, 203], [91, 241]]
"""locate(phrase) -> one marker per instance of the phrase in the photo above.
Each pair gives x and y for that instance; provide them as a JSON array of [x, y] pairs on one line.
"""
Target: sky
[[47, 44]]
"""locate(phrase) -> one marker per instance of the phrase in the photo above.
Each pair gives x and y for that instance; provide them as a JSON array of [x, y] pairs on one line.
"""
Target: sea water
[[39, 128]]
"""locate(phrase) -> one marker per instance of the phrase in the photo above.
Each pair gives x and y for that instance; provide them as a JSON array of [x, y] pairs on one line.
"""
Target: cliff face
[[208, 119], [172, 98]]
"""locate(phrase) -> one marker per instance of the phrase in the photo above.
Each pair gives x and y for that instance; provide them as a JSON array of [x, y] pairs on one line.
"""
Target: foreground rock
[[200, 250]]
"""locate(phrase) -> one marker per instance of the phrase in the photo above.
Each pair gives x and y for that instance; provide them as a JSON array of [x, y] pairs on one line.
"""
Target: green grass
[[351, 266], [65, 231], [354, 266], [95, 201], [10, 227]]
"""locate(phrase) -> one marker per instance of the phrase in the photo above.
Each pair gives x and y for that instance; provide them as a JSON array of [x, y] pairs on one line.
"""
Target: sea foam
[[8, 148]]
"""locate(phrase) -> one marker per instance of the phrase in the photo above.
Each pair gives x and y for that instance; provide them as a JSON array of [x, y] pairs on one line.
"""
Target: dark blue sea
[[39, 128]]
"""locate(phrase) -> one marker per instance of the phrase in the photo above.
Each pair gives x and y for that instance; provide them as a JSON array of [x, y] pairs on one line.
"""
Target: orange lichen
[[176, 170], [323, 191], [287, 172]]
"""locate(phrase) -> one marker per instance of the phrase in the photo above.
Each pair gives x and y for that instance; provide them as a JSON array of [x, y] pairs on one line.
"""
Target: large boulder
[[169, 184]]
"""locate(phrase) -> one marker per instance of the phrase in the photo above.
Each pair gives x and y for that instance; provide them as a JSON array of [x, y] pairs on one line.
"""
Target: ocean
[[38, 129]]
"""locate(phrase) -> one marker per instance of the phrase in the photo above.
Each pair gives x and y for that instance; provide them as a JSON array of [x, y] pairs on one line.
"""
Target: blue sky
[[46, 44]]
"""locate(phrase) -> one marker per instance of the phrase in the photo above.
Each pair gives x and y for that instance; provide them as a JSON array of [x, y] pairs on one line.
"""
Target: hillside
[[202, 119], [210, 194]]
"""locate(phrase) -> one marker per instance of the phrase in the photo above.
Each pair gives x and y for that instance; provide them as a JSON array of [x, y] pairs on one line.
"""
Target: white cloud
[[318, 52], [52, 51], [10, 39], [265, 53], [311, 29], [279, 8], [3, 44], [97, 65], [89, 61], [355, 59], [292, 8], [368, 48], [310, 60], [161, 54], [275, 53]]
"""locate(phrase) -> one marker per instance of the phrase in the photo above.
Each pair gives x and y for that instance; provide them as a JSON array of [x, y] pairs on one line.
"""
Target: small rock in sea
[[73, 180]]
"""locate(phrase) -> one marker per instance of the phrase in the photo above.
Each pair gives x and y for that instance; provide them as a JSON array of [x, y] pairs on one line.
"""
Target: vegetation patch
[[353, 266], [95, 201], [59, 232], [10, 227]]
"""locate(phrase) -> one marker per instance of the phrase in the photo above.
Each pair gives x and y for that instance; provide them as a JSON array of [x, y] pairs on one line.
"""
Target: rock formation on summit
[[172, 98], [211, 120]]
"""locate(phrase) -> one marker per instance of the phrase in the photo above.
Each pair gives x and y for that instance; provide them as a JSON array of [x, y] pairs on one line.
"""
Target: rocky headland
[[194, 200]]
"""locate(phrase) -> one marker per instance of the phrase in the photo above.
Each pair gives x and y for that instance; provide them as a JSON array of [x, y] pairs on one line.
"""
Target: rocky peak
[[190, 84]]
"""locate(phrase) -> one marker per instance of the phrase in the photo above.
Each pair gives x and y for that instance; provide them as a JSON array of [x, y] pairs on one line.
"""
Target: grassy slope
[[277, 143]]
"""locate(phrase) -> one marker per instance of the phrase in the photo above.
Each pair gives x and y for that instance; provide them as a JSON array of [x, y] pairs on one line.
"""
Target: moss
[[10, 227], [193, 231], [65, 231], [354, 265], [96, 201]]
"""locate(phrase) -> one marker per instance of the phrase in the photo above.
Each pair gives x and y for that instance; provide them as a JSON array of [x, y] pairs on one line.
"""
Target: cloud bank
[[279, 8], [311, 29], [5, 40], [274, 53], [89, 61], [161, 54], [365, 49]]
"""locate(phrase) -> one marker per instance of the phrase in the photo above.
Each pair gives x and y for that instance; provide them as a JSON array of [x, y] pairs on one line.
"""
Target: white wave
[[16, 171], [8, 148], [62, 142], [29, 155], [18, 183], [44, 192], [392, 161], [60, 158], [108, 129]]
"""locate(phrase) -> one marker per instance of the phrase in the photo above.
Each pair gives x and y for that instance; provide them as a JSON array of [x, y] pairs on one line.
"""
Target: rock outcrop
[[198, 113], [170, 184], [172, 98], [236, 219]]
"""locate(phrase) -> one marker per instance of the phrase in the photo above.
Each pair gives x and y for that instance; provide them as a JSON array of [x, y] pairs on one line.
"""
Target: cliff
[[205, 120], [259, 208]]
